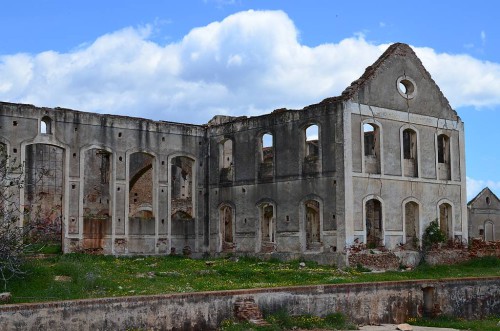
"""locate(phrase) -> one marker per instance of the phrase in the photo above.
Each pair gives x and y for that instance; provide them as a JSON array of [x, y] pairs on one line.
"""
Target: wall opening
[[227, 228], [489, 231], [411, 224], [266, 169], [428, 293], [445, 219], [374, 231], [312, 156], [226, 168], [410, 160], [44, 191], [443, 148], [313, 225], [182, 199], [141, 184], [5, 193], [267, 227], [97, 211], [371, 143], [46, 125]]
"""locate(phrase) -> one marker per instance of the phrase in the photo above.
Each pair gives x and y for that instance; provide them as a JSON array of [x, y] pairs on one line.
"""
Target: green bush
[[433, 235]]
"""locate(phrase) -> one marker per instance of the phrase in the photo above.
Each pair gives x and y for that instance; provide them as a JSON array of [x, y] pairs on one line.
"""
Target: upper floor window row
[[310, 149], [410, 151]]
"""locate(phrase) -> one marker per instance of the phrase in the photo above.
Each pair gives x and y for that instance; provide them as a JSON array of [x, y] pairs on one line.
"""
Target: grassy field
[[75, 276], [486, 324]]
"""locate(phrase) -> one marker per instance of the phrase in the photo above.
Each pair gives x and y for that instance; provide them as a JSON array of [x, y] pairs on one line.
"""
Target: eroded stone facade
[[374, 165]]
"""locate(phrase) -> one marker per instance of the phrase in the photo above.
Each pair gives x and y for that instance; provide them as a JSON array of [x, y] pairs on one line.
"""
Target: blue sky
[[188, 60]]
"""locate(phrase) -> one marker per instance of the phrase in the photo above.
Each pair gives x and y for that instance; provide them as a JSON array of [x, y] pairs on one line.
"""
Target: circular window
[[406, 87]]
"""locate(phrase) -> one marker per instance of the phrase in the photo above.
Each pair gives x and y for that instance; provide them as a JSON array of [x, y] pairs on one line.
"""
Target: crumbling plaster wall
[[76, 132], [368, 303], [290, 186], [391, 187], [420, 106]]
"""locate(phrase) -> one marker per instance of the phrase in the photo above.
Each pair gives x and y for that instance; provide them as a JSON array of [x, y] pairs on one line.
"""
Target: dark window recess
[[370, 143], [407, 144]]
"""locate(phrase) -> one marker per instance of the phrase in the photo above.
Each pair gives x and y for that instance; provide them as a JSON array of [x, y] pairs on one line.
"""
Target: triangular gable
[[480, 199], [378, 86]]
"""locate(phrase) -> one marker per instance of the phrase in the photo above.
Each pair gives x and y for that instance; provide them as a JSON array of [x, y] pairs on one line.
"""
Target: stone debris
[[404, 327], [302, 265], [63, 279], [247, 310], [5, 297]]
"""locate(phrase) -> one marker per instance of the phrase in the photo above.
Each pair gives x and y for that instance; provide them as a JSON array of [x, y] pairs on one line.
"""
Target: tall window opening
[[443, 147], [489, 231], [373, 216], [267, 227], [410, 163], [141, 184], [411, 224], [445, 219], [226, 161], [227, 228], [313, 224], [182, 201], [312, 157], [266, 170], [44, 190], [371, 134], [97, 210]]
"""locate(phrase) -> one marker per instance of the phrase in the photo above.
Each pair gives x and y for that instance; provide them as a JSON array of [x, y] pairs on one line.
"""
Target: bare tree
[[17, 225]]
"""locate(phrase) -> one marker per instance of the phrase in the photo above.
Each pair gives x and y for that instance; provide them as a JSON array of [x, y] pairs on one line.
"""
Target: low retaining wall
[[384, 302]]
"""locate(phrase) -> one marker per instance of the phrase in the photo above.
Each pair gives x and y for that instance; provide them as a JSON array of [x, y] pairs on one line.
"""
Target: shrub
[[432, 235]]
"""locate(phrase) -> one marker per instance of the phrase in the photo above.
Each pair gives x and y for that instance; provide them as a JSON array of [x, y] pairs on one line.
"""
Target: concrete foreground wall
[[363, 303]]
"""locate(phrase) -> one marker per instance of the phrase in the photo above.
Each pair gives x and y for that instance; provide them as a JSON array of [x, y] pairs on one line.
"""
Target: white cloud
[[474, 186], [483, 37], [238, 66]]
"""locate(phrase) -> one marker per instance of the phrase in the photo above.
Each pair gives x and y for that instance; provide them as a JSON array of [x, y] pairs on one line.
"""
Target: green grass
[[485, 324], [283, 321], [91, 276]]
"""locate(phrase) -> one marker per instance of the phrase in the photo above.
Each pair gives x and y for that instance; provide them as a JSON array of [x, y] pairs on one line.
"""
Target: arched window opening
[[373, 217], [97, 211], [411, 224], [410, 163], [371, 134], [445, 219], [226, 161], [489, 231], [182, 185], [312, 157], [267, 227], [227, 228], [312, 142], [313, 224], [45, 125], [182, 203], [141, 183], [44, 185], [443, 147], [266, 170]]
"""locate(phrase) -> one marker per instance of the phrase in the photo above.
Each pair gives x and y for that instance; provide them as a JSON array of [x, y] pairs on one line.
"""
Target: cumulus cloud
[[249, 63], [474, 186]]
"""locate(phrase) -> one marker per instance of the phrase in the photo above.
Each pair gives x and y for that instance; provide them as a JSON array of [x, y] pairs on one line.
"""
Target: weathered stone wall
[[390, 302], [75, 133]]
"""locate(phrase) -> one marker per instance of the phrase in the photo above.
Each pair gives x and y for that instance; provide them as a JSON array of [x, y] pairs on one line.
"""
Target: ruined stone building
[[484, 216], [374, 165]]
